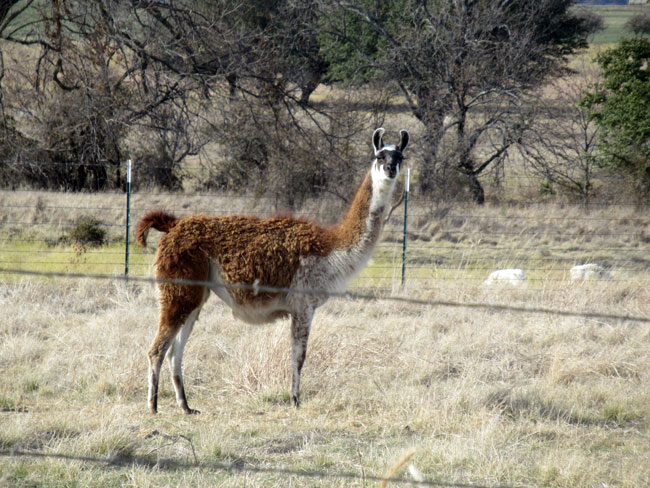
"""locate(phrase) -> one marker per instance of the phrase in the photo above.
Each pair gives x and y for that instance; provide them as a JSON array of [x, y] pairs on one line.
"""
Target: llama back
[[247, 250]]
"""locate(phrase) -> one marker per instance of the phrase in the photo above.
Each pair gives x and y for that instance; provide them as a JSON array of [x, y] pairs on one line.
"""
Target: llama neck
[[365, 218]]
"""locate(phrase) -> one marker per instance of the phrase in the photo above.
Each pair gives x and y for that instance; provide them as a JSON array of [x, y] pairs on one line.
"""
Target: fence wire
[[257, 289], [445, 244]]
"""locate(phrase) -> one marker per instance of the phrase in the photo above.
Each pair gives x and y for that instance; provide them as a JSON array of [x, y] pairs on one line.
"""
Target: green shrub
[[88, 231]]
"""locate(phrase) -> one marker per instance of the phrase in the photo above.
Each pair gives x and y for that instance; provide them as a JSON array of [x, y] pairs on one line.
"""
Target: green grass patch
[[39, 256], [276, 397], [615, 17], [7, 404]]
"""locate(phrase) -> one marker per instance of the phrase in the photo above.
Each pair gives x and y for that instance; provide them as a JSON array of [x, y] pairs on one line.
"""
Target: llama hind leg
[[161, 342], [175, 356], [300, 326], [176, 307]]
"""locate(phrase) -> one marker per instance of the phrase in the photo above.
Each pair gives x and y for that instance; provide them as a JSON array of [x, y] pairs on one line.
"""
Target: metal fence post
[[128, 216], [406, 216]]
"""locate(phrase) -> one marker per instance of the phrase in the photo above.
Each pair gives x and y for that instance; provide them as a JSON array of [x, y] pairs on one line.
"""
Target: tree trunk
[[476, 190]]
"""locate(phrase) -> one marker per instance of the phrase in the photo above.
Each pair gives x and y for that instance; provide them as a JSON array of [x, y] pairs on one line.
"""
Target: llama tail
[[158, 219]]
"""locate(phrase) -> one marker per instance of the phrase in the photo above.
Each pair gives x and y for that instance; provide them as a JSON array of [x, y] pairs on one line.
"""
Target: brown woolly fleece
[[248, 250], [159, 219]]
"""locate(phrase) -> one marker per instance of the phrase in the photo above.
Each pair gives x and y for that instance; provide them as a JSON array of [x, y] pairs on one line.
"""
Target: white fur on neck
[[382, 186], [334, 271]]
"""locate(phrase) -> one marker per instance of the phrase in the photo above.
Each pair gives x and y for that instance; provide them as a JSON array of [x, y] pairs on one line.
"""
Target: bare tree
[[82, 92], [464, 67], [177, 75], [9, 11], [561, 141], [241, 72], [248, 69]]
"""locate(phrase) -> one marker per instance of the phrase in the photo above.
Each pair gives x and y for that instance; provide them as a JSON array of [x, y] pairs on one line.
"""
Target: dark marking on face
[[392, 161]]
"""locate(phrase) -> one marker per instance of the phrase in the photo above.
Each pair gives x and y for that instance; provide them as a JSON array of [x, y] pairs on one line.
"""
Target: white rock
[[589, 271], [515, 277]]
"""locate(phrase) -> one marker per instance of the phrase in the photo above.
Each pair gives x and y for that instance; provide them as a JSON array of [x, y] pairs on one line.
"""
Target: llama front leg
[[300, 326]]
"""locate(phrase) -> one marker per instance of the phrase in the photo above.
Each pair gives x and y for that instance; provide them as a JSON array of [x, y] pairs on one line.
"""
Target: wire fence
[[238, 467], [359, 296], [425, 244]]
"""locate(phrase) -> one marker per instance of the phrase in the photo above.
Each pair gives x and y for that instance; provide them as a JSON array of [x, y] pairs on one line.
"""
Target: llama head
[[388, 158]]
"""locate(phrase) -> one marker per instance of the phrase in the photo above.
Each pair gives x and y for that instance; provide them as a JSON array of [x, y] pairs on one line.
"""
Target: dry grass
[[484, 398]]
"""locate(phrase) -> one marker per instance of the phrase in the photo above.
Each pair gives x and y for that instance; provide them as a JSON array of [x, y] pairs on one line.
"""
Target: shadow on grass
[[515, 406], [238, 465]]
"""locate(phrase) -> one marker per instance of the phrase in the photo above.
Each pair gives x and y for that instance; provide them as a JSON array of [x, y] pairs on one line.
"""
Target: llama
[[286, 253]]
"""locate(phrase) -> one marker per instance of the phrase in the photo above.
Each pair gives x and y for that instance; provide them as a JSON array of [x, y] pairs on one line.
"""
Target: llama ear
[[376, 139], [403, 141]]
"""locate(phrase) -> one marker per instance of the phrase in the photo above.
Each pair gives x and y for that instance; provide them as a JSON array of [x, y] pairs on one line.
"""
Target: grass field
[[484, 398], [615, 17]]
